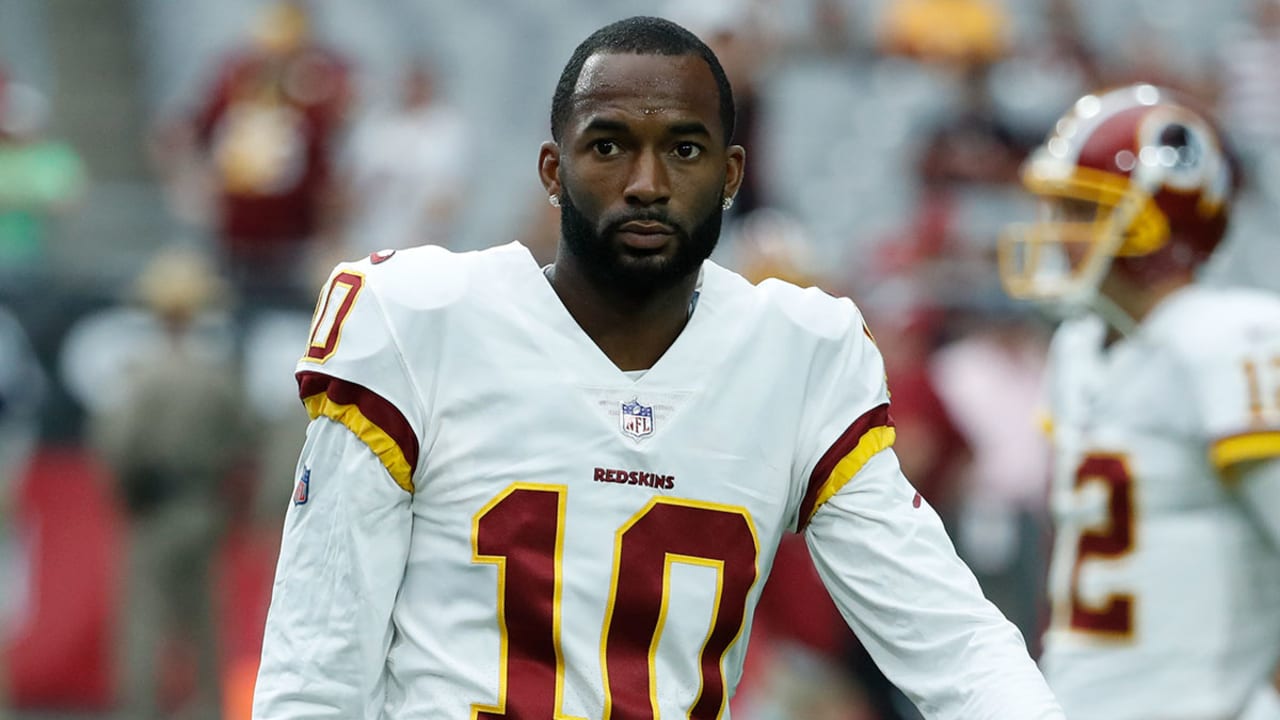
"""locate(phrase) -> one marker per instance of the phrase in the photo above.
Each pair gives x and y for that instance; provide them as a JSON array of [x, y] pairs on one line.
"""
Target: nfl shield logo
[[636, 419], [302, 492]]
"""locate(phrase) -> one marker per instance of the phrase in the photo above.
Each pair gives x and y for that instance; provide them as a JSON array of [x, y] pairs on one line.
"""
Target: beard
[[610, 264]]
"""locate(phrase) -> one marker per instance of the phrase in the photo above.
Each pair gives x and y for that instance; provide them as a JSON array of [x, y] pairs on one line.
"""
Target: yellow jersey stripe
[[382, 444], [871, 442], [1245, 447]]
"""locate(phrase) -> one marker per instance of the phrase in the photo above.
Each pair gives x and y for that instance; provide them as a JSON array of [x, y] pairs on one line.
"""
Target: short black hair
[[640, 35]]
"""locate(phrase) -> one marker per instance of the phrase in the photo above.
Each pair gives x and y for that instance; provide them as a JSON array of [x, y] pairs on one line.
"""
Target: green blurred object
[[36, 180]]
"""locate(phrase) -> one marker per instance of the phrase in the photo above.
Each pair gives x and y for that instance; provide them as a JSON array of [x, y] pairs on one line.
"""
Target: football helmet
[[1132, 179]]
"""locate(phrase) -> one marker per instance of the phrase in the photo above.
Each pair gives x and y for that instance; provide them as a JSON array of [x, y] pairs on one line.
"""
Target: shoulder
[[429, 277], [396, 301], [1205, 325], [800, 312], [1076, 337]]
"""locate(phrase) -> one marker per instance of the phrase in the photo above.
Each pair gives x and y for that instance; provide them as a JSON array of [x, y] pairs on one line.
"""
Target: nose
[[649, 183]]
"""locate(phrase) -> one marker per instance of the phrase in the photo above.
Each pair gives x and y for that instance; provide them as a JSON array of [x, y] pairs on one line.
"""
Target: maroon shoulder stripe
[[373, 406], [877, 416]]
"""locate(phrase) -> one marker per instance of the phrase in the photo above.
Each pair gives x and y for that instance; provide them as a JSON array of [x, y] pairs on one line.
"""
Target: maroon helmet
[[1132, 178]]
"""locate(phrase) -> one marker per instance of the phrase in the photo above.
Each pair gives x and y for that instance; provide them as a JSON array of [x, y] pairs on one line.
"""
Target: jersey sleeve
[[888, 564], [346, 541], [354, 373], [346, 535], [1235, 377], [847, 414]]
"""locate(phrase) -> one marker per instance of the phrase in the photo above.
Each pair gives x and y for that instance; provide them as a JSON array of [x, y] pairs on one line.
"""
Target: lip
[[647, 241], [646, 227], [646, 235]]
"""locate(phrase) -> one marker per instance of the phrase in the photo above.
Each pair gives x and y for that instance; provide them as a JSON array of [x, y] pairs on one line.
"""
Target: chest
[[523, 406], [1127, 424]]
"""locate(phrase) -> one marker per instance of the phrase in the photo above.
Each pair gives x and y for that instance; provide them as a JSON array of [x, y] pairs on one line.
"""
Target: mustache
[[647, 215]]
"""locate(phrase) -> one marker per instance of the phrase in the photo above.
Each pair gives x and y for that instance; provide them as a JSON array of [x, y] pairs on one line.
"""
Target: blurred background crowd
[[177, 177]]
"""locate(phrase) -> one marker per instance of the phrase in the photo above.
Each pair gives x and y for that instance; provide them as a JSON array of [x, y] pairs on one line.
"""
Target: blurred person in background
[[1043, 73], [952, 32], [266, 133], [406, 169], [169, 445], [973, 144], [40, 178], [734, 31], [22, 385], [986, 377], [1248, 100], [618, 413], [1164, 403]]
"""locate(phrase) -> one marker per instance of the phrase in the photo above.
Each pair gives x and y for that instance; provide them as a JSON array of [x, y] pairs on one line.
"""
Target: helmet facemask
[[1084, 221], [1128, 181]]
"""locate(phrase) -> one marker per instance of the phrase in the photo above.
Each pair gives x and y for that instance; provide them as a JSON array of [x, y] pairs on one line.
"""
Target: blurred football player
[[557, 492], [1164, 398]]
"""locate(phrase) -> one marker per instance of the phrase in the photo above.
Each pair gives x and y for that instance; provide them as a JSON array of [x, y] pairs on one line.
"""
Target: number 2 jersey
[[1165, 591], [490, 520]]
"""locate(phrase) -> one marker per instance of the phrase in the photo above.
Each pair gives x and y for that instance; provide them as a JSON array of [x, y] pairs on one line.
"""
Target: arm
[[882, 552], [1234, 370], [892, 571], [342, 558], [1259, 489]]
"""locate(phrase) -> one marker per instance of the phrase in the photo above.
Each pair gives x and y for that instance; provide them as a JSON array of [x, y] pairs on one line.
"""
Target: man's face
[[643, 169]]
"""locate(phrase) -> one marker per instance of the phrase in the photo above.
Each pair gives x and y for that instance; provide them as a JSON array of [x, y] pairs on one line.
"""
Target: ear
[[549, 167], [735, 162]]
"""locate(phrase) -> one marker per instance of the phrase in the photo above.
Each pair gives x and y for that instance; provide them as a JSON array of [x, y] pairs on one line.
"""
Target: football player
[[557, 492], [1164, 397]]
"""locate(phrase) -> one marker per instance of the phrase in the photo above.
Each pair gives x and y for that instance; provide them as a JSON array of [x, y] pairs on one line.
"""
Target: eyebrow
[[690, 128], [693, 127], [602, 125]]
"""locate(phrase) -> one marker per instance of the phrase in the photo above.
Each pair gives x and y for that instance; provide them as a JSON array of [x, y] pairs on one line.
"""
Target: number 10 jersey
[[498, 523]]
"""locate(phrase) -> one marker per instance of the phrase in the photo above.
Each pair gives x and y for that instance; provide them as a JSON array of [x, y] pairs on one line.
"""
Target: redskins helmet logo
[[1179, 153]]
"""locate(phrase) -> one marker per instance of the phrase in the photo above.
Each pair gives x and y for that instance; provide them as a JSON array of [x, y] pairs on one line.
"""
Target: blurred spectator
[[407, 170], [1249, 96], [1046, 73], [796, 662], [21, 389], [271, 346], [732, 29], [973, 144], [990, 381], [933, 450], [39, 177], [170, 444], [947, 31], [266, 131], [772, 244], [1148, 58]]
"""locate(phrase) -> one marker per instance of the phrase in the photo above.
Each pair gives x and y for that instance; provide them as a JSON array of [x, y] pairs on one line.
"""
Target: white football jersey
[[491, 520], [1166, 594]]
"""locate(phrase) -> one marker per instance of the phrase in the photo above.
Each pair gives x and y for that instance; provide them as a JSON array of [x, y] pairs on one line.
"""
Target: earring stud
[[554, 200], [728, 203]]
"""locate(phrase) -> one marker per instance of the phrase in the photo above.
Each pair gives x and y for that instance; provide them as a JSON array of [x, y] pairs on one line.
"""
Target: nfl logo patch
[[636, 419], [302, 492]]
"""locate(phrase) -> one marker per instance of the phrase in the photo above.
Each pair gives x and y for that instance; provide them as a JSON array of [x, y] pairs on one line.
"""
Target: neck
[[1134, 300], [633, 330]]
